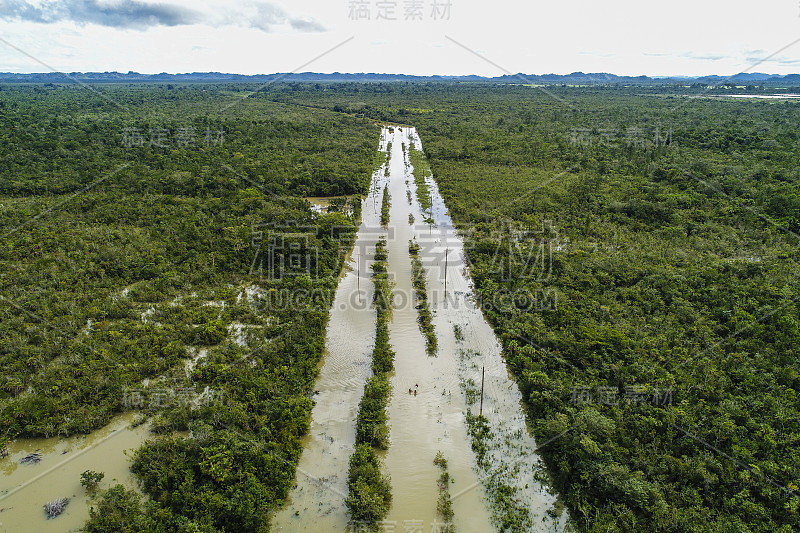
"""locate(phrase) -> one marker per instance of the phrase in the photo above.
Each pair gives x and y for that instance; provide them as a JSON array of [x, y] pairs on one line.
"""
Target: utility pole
[[483, 376], [445, 270]]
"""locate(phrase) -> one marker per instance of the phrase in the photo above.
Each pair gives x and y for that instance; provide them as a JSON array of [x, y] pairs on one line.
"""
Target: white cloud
[[136, 14], [248, 36]]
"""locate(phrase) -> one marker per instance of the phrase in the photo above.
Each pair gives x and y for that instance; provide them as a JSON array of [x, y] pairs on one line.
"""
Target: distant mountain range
[[576, 78]]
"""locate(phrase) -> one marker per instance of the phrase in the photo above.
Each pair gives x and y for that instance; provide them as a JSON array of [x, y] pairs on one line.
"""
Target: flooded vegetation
[[570, 313], [428, 408], [631, 248], [317, 501], [38, 472], [192, 289], [421, 297]]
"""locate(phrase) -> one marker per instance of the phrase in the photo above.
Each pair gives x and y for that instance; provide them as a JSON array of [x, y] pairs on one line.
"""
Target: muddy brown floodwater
[[421, 425], [25, 488], [514, 461], [317, 501], [434, 419]]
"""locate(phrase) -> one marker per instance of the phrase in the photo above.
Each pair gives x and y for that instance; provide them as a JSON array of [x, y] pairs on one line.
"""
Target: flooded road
[[512, 449], [421, 425], [434, 419], [317, 501], [25, 488]]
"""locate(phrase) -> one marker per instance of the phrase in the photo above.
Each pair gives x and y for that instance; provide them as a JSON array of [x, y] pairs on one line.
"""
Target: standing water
[[317, 501], [433, 419], [512, 451], [27, 486]]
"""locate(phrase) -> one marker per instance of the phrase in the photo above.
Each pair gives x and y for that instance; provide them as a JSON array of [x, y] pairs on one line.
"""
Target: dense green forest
[[634, 248], [139, 229], [636, 251]]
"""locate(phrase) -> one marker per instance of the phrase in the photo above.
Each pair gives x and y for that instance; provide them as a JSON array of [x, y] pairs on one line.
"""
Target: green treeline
[[370, 491], [444, 504], [131, 244], [422, 169], [424, 316], [382, 354], [635, 251], [371, 423], [388, 157], [370, 494], [385, 206]]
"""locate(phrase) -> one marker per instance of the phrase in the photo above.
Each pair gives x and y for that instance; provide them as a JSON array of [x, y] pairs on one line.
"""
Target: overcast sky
[[486, 37]]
